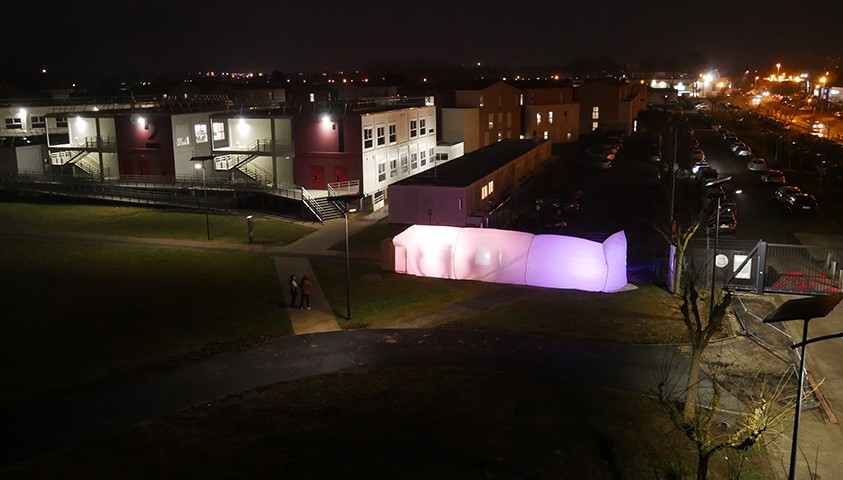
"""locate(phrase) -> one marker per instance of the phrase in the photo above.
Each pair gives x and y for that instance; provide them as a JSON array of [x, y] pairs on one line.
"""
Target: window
[[423, 158], [545, 134], [393, 133], [414, 161], [430, 153], [14, 123], [200, 132], [491, 121], [382, 171], [393, 167], [414, 128], [61, 122], [430, 124], [521, 99], [422, 126], [538, 119], [219, 130], [594, 125], [500, 136], [550, 117], [482, 102], [182, 141], [367, 137], [38, 121], [404, 167], [595, 113], [381, 137], [312, 97], [487, 190]]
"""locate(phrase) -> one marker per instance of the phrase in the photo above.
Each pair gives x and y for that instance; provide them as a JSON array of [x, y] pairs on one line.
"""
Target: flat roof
[[467, 169]]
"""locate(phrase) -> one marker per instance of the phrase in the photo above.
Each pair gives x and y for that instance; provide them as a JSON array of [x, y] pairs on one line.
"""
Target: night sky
[[266, 35]]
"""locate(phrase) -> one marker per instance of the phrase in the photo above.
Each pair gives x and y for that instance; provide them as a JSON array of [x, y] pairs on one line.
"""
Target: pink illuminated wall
[[503, 256]]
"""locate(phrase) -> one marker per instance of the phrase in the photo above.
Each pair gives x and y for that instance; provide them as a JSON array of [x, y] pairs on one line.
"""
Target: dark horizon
[[153, 36]]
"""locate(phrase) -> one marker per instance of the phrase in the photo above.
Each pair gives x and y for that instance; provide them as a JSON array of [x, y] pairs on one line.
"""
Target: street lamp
[[715, 183], [345, 213], [200, 165], [804, 309], [778, 69]]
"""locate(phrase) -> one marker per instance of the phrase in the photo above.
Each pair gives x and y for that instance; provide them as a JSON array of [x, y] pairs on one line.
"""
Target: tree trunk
[[678, 262], [689, 413], [702, 465]]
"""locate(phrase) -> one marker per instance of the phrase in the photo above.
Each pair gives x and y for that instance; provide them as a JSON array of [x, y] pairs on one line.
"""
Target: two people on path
[[306, 288]]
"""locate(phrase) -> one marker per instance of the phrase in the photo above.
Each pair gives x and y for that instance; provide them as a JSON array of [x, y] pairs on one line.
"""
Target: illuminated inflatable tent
[[503, 256]]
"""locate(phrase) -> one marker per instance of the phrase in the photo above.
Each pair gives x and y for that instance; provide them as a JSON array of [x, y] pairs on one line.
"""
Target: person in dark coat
[[306, 287], [294, 290]]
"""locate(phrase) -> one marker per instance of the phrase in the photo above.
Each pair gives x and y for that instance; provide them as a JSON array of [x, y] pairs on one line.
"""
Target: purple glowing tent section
[[503, 256]]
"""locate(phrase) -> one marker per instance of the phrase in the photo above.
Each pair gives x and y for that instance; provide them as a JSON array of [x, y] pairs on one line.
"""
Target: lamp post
[[778, 69], [715, 183], [346, 211], [804, 309], [200, 164]]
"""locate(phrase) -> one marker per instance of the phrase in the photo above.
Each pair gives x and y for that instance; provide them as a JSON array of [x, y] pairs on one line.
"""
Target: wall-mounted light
[[326, 118]]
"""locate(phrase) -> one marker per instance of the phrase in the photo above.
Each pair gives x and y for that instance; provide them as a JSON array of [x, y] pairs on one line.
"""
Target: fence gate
[[768, 267]]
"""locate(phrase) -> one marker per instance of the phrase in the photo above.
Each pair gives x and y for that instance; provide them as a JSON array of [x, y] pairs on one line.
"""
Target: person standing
[[294, 290], [306, 287]]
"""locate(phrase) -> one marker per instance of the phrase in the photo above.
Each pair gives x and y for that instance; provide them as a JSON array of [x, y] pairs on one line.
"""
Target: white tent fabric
[[503, 256]]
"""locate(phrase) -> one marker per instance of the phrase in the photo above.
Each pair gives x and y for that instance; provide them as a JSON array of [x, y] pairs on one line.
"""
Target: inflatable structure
[[503, 256]]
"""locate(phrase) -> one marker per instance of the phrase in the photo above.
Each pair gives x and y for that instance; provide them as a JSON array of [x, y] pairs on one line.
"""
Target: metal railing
[[341, 189]]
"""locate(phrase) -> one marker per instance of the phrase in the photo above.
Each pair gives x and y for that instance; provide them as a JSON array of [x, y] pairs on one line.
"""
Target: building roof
[[465, 170]]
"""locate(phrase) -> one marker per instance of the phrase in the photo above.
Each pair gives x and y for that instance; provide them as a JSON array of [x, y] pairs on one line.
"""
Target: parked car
[[711, 194], [743, 151], [801, 204], [757, 164], [706, 175], [595, 161], [697, 154], [728, 219], [773, 177], [786, 191], [698, 165]]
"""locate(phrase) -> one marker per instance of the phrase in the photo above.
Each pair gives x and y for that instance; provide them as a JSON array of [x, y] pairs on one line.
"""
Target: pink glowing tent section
[[503, 256]]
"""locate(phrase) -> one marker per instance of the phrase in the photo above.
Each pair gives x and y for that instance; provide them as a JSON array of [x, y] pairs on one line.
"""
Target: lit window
[[594, 125], [491, 121], [200, 133], [550, 117], [381, 137], [414, 128], [481, 101], [521, 99], [545, 134], [414, 160], [38, 121], [393, 133], [219, 130], [487, 190], [367, 137], [382, 171], [404, 163], [393, 167], [491, 187], [595, 113], [14, 123], [500, 136], [312, 97], [422, 126], [538, 119], [423, 158]]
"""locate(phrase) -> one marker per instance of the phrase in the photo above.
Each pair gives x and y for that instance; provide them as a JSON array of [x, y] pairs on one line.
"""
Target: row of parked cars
[[790, 196], [601, 154]]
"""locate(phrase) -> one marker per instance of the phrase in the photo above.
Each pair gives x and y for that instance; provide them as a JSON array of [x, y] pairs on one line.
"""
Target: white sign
[[744, 272]]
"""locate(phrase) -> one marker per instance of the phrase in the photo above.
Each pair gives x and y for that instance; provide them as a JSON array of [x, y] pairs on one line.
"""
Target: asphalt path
[[107, 410]]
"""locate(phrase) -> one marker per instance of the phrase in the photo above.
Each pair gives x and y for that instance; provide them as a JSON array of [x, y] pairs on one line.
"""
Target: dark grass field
[[396, 424]]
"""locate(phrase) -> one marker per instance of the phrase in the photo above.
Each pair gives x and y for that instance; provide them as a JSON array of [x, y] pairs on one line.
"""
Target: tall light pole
[[715, 183], [346, 211], [804, 309], [778, 69], [200, 164]]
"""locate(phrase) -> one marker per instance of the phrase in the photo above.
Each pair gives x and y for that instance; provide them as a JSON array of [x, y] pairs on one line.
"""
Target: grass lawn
[[147, 222], [406, 423], [77, 314]]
